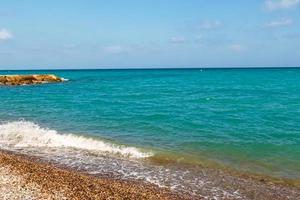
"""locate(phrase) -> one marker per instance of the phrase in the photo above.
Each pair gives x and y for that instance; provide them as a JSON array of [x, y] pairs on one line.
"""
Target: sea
[[159, 125]]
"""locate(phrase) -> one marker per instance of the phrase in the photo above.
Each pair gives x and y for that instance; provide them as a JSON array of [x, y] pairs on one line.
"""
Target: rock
[[28, 79], [2, 79]]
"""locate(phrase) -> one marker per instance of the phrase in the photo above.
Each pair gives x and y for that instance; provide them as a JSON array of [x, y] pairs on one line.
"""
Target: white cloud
[[177, 40], [5, 34], [237, 48], [280, 4], [209, 25], [279, 23]]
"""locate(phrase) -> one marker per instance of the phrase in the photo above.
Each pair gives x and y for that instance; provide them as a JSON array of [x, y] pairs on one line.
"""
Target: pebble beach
[[24, 178], [118, 142]]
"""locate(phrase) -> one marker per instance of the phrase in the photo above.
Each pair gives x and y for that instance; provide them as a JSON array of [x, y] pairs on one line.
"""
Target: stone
[[28, 79]]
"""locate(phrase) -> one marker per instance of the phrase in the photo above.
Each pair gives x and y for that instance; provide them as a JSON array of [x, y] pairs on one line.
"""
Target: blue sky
[[156, 33]]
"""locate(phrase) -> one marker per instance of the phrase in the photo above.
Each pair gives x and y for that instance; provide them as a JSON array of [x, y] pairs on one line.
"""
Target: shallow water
[[244, 119]]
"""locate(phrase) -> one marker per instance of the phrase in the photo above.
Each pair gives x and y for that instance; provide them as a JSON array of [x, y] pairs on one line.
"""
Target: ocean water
[[140, 123]]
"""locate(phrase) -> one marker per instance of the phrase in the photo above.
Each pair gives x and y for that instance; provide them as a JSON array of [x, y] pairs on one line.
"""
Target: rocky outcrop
[[28, 79]]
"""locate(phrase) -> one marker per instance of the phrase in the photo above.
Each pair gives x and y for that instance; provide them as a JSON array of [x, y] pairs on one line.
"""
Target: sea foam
[[70, 150], [64, 79], [25, 134]]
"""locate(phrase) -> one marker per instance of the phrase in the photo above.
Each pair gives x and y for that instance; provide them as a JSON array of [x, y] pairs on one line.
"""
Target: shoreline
[[206, 164], [59, 182], [42, 180]]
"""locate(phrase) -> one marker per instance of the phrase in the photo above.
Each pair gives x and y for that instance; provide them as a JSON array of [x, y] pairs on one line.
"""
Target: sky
[[84, 34]]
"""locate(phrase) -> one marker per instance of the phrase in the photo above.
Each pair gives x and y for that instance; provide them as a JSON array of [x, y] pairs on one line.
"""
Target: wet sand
[[27, 177]]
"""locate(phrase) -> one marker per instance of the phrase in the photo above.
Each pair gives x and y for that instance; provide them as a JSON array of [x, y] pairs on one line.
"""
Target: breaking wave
[[25, 134], [96, 157]]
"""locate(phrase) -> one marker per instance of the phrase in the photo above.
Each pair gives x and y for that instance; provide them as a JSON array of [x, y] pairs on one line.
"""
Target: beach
[[195, 134], [25, 178], [154, 100]]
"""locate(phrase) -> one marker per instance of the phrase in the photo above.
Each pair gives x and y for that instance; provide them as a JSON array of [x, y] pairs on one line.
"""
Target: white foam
[[22, 134], [69, 150], [64, 79]]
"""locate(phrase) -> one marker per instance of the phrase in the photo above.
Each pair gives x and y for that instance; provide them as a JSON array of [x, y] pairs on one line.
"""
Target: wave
[[64, 79], [25, 134], [90, 155]]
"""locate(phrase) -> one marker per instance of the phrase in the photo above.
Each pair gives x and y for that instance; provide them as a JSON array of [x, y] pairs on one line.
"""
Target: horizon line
[[145, 68]]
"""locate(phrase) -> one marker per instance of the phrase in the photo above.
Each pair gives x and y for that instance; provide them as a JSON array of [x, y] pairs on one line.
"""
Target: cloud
[[279, 23], [237, 48], [209, 25], [5, 34], [177, 40], [281, 4]]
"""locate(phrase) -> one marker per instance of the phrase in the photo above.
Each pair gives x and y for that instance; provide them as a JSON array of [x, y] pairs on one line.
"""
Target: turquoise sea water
[[245, 119]]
